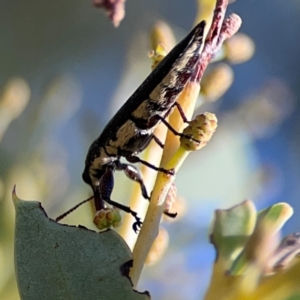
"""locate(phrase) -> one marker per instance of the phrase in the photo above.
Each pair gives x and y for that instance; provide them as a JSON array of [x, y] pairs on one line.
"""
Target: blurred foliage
[[249, 261], [29, 164]]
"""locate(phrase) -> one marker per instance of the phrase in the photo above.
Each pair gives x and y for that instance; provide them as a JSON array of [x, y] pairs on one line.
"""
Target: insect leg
[[137, 224], [171, 215], [103, 188], [181, 112], [136, 159], [133, 173], [158, 141], [175, 132], [104, 191]]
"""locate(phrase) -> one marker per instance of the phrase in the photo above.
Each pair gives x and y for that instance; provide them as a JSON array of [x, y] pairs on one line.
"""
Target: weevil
[[130, 131]]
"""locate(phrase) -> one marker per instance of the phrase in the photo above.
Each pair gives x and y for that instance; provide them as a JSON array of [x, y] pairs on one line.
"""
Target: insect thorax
[[96, 162]]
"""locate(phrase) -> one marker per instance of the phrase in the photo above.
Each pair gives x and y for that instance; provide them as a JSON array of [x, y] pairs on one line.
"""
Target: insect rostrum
[[131, 129]]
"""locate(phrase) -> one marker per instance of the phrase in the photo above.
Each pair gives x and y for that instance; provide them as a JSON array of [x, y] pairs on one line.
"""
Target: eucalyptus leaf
[[231, 229], [55, 261], [262, 242]]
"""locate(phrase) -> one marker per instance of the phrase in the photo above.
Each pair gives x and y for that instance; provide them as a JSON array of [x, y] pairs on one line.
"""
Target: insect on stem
[[131, 129]]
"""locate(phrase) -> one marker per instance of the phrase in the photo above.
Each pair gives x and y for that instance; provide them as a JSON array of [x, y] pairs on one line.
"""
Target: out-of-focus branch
[[115, 9]]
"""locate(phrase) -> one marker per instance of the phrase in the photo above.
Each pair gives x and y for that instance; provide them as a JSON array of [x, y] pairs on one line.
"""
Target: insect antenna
[[72, 209]]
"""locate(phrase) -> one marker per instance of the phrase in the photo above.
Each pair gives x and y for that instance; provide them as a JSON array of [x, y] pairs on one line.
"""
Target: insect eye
[[86, 177]]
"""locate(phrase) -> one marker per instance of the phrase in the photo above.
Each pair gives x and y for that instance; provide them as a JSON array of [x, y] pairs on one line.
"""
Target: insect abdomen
[[159, 91]]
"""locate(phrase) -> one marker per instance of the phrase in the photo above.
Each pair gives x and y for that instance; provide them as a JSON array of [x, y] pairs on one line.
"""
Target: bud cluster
[[107, 218], [199, 132]]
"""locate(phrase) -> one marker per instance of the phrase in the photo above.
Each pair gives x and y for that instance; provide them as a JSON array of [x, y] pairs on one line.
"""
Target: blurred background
[[65, 70]]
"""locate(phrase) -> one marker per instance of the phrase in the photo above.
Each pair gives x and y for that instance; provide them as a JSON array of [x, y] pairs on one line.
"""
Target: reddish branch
[[220, 30], [115, 9]]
